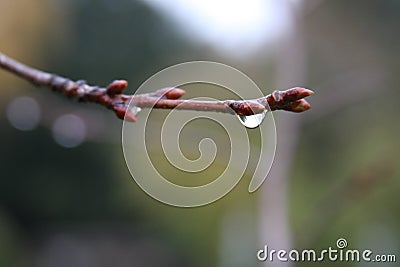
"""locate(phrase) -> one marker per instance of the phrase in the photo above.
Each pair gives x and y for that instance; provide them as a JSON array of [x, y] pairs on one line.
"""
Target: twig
[[112, 97]]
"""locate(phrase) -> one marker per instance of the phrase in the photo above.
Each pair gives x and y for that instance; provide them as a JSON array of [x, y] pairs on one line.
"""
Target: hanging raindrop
[[252, 121]]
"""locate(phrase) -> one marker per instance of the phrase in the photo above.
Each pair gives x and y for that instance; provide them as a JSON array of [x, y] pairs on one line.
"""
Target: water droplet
[[135, 110], [252, 121]]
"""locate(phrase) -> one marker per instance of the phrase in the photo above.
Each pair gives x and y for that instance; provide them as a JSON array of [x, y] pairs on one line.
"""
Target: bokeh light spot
[[69, 130], [23, 113]]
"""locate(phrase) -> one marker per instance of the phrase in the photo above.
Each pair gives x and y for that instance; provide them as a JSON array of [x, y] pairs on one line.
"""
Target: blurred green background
[[67, 198]]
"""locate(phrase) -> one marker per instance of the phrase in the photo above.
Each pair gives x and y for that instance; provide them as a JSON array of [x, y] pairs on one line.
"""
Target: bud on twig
[[167, 98], [116, 87]]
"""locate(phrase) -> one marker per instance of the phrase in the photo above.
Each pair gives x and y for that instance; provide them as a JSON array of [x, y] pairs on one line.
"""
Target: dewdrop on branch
[[252, 121]]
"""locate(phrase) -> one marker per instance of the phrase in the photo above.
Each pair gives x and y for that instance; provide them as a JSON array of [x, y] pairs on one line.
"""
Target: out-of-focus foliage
[[80, 207]]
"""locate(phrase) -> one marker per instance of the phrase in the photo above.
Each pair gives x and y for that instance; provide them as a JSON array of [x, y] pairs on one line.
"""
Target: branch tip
[[167, 98]]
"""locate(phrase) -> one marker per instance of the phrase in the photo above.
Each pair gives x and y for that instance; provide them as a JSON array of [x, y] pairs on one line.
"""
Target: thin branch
[[113, 98]]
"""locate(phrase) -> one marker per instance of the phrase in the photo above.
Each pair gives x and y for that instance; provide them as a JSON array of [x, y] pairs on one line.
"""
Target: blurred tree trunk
[[274, 211]]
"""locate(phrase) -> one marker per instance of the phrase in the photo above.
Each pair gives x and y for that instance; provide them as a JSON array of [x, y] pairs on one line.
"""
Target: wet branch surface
[[113, 98]]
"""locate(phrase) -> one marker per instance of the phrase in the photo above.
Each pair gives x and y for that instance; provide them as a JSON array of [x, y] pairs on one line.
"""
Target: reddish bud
[[303, 92], [124, 114], [120, 112], [298, 106], [294, 94], [116, 87], [174, 93], [168, 93]]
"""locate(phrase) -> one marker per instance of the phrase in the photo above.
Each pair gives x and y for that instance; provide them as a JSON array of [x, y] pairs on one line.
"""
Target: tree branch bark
[[113, 98]]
